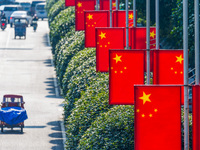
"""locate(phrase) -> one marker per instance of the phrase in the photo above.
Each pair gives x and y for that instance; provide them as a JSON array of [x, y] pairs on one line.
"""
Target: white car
[[40, 10], [9, 9], [20, 14]]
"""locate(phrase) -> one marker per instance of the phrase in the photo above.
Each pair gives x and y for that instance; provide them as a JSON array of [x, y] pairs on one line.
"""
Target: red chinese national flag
[[139, 38], [94, 19], [69, 3], [80, 7], [105, 4], [157, 118], [126, 68], [119, 18], [107, 38], [195, 117], [168, 67]]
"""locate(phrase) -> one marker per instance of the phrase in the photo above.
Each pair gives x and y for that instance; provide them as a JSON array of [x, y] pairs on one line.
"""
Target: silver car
[[20, 14]]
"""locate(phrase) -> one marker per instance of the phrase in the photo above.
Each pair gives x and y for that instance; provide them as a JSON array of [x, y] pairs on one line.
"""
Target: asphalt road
[[26, 69]]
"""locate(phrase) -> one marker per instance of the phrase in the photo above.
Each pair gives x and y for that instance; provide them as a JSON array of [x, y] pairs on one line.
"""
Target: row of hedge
[[91, 123]]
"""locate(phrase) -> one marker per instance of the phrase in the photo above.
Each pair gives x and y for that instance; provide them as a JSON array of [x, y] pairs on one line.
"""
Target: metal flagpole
[[196, 6], [110, 13], [185, 49], [97, 4], [157, 25], [134, 13], [127, 24], [117, 4], [148, 39]]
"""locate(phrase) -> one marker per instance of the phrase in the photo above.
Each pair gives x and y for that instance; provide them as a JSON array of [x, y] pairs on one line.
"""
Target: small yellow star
[[150, 115], [137, 110], [114, 4], [121, 71], [130, 16], [172, 68], [117, 58], [124, 67], [181, 72], [179, 59], [145, 98], [143, 115], [111, 67], [155, 110], [152, 34], [115, 71], [79, 4], [90, 17], [102, 35]]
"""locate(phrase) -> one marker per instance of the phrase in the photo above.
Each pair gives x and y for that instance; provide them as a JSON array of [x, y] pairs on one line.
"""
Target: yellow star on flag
[[117, 58], [179, 59], [145, 98], [79, 4], [152, 34], [102, 35], [114, 4], [130, 16], [90, 17]]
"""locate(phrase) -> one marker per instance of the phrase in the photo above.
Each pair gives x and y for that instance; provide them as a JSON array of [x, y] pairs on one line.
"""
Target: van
[[40, 10], [9, 9], [26, 6], [33, 4]]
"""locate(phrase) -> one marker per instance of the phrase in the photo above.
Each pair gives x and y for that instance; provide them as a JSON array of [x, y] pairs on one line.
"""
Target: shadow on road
[[56, 136], [45, 40]]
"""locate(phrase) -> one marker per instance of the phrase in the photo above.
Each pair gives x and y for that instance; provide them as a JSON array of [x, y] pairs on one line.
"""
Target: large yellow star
[[90, 17], [152, 34], [179, 59], [102, 35], [79, 4], [145, 98], [114, 4], [130, 16], [117, 58]]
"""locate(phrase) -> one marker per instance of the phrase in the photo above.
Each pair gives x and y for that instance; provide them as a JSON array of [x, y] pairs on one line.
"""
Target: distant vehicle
[[20, 27], [20, 14], [26, 6], [33, 5], [9, 9], [40, 10], [3, 23]]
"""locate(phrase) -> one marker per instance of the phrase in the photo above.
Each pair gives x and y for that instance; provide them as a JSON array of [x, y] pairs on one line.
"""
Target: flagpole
[[134, 13], [117, 4], [97, 4], [127, 25], [157, 25], [110, 13], [196, 6], [185, 50], [148, 39]]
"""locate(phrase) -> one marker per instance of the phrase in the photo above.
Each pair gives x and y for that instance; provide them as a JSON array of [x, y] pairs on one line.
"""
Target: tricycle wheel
[[21, 129], [2, 129]]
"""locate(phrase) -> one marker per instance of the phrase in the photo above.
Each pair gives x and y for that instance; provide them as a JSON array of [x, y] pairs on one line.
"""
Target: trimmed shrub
[[92, 103], [112, 130], [49, 4], [63, 23], [67, 52], [55, 10]]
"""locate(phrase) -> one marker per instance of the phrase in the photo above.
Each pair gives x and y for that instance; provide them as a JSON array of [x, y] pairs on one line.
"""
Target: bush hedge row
[[91, 123]]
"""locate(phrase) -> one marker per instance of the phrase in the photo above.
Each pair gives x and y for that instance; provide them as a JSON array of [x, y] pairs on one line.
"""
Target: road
[[26, 69]]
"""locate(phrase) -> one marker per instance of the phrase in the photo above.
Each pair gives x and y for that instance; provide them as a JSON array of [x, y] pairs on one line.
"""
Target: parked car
[[33, 5], [40, 10], [20, 14], [26, 6], [9, 9]]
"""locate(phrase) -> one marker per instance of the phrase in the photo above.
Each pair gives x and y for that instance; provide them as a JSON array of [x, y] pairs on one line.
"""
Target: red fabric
[[69, 3], [138, 41], [80, 7], [105, 4], [157, 118], [195, 117], [119, 20], [94, 19], [167, 69], [124, 74], [113, 39]]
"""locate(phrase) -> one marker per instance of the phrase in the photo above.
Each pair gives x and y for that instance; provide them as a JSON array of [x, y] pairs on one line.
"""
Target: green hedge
[[55, 10], [112, 130], [63, 23], [49, 4], [92, 103], [66, 53]]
